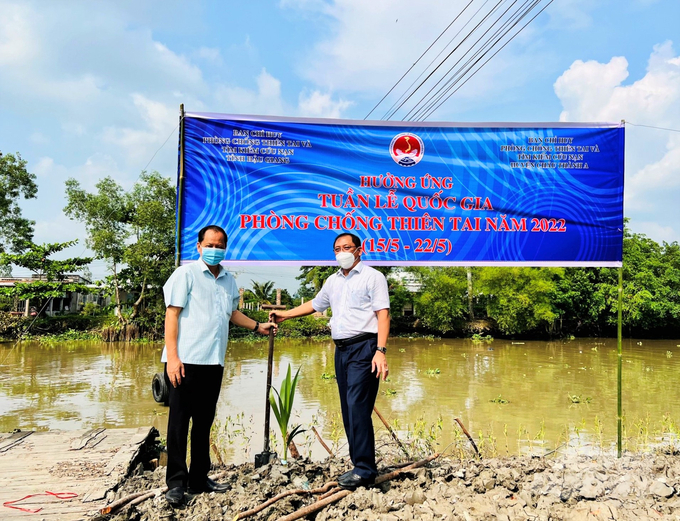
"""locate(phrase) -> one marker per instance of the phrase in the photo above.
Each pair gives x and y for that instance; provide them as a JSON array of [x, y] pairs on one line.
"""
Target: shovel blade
[[264, 458]]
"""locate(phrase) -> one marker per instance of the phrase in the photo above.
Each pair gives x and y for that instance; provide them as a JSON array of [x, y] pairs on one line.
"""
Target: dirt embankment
[[635, 487]]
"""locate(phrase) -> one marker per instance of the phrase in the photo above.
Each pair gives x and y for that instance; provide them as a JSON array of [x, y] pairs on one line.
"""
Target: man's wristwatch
[[257, 326], [383, 350]]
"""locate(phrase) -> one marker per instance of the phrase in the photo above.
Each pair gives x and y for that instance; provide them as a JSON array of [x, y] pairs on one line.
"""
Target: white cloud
[[209, 54], [139, 144], [39, 138], [573, 14], [17, 38], [266, 99], [593, 91], [45, 167], [370, 41], [319, 105], [658, 232]]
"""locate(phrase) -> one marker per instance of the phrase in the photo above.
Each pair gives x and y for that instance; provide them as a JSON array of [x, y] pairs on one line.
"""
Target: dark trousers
[[358, 388], [196, 399]]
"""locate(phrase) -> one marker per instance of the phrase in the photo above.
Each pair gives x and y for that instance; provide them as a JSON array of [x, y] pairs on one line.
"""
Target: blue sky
[[89, 89]]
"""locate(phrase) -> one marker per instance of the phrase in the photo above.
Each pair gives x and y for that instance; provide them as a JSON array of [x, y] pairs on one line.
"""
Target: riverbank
[[634, 487]]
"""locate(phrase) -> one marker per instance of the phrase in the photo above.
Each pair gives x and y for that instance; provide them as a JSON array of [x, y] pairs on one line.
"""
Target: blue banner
[[416, 193]]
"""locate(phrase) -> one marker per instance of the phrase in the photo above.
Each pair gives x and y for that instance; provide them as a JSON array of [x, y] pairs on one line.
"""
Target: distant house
[[69, 302]]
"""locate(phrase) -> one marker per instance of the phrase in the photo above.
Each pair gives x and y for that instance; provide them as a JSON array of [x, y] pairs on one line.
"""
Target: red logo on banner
[[407, 149]]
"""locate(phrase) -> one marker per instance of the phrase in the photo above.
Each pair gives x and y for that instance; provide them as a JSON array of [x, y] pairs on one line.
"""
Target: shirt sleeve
[[322, 300], [237, 296], [176, 289], [380, 295]]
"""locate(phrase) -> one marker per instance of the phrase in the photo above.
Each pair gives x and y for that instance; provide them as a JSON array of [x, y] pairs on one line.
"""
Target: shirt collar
[[358, 268], [204, 267]]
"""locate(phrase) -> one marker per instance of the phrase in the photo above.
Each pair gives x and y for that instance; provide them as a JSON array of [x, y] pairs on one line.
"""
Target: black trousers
[[358, 388], [196, 399]]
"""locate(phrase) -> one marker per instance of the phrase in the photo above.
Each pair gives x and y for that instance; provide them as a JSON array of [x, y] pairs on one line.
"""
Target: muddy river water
[[516, 396]]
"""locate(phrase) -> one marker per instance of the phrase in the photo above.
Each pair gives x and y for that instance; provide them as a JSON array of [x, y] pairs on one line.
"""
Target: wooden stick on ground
[[474, 446], [343, 493], [122, 501], [323, 443], [271, 501], [391, 431], [138, 497]]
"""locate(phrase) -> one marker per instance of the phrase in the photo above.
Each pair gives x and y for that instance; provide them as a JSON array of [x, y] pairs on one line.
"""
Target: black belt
[[344, 342]]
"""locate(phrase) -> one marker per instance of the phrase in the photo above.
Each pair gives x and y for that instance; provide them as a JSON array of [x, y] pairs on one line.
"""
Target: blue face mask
[[213, 256]]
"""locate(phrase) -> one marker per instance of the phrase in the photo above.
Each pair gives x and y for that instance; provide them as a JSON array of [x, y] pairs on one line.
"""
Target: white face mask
[[345, 259]]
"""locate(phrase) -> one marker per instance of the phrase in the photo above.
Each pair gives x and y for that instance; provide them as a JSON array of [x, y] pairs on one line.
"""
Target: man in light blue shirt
[[201, 299], [360, 325]]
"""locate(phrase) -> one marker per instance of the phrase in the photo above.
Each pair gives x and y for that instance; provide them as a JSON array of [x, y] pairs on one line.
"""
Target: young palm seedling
[[282, 405]]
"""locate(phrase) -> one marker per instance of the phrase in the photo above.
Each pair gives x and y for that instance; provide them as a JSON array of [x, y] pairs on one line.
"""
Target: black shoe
[[354, 481], [346, 475], [209, 486], [175, 496]]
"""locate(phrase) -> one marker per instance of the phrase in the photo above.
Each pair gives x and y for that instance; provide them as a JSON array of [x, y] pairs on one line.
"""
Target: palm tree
[[264, 293]]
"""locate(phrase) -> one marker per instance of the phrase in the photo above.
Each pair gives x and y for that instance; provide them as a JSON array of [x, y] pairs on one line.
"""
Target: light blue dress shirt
[[207, 304], [354, 299]]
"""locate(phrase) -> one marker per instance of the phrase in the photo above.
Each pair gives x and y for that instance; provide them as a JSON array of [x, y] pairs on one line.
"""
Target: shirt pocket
[[359, 298], [224, 301]]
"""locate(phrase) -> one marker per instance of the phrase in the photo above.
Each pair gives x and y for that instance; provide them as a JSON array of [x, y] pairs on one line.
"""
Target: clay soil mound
[[635, 487]]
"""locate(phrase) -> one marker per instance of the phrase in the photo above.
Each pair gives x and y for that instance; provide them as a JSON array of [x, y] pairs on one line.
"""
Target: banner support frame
[[180, 189], [619, 421]]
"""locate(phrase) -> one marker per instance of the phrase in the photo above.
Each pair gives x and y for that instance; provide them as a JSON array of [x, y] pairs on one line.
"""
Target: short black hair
[[355, 239], [213, 227]]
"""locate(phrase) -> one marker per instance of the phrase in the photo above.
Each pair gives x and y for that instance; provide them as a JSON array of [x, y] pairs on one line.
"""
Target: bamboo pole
[[138, 497], [314, 507], [323, 443], [242, 515], [619, 419], [389, 429], [474, 445]]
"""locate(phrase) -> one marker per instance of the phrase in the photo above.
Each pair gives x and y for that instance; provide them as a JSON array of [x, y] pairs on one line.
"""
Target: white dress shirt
[[207, 303], [354, 299]]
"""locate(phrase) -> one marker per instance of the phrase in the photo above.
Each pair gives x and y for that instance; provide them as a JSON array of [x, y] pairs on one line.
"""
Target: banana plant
[[282, 405]]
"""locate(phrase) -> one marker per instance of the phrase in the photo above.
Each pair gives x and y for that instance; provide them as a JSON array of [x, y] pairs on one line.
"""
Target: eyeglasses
[[346, 247]]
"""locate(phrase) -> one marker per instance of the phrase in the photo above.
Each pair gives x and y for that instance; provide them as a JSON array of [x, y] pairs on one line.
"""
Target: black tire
[[159, 388]]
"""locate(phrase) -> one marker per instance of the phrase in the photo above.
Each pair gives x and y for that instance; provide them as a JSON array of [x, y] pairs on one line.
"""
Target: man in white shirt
[[359, 299], [201, 299]]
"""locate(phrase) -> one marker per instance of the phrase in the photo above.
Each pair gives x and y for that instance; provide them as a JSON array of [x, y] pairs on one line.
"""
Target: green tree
[[442, 301], [520, 299], [312, 279], [264, 293], [651, 284], [50, 280], [133, 231], [150, 258], [106, 215], [15, 182]]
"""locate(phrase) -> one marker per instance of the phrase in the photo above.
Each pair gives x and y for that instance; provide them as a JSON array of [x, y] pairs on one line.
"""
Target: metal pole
[[620, 351], [180, 188]]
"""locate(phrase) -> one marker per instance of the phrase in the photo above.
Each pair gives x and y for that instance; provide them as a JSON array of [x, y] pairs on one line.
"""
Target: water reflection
[[74, 385]]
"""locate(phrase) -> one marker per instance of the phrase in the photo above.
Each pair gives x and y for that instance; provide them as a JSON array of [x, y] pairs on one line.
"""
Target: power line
[[416, 62], [462, 74], [444, 60], [489, 59], [494, 27], [483, 48], [651, 126], [434, 59], [464, 69]]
